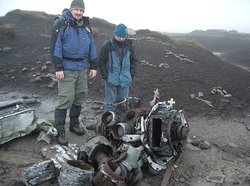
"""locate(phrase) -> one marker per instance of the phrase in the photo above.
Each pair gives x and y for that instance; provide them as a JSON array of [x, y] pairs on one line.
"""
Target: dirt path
[[228, 158]]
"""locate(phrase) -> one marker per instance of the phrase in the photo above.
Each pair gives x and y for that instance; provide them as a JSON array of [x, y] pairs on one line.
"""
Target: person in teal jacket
[[73, 52], [117, 65]]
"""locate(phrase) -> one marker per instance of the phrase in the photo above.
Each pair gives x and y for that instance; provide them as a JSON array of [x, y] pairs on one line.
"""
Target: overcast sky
[[157, 15]]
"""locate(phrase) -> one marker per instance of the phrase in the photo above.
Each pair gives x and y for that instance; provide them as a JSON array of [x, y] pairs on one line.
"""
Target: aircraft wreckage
[[126, 140], [131, 137]]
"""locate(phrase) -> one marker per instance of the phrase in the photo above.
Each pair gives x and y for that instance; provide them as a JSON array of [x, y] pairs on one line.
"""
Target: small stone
[[50, 75], [192, 96], [38, 78], [220, 92], [195, 142], [232, 145], [51, 85], [35, 96], [12, 71], [48, 62], [216, 179], [24, 69], [44, 152], [44, 67], [200, 94], [204, 145], [6, 49], [182, 180], [228, 96]]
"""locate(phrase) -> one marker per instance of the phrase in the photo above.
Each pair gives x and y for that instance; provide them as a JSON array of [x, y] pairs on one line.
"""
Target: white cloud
[[161, 15]]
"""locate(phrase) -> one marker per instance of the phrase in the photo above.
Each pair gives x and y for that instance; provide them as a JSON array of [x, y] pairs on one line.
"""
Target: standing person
[[73, 52], [117, 63]]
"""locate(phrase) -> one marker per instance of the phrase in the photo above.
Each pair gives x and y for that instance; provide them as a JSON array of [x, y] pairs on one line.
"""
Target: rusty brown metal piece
[[167, 175], [170, 168]]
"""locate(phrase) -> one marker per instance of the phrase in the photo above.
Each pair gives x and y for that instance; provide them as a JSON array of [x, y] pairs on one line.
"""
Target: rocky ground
[[214, 94]]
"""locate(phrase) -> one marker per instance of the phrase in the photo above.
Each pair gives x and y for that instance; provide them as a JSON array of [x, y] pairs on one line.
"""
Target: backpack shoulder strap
[[111, 42], [86, 24]]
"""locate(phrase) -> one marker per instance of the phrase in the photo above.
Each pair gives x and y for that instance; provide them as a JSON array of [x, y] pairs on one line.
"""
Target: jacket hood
[[67, 15]]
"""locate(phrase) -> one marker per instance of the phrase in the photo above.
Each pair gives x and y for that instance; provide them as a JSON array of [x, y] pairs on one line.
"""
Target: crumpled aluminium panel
[[17, 124]]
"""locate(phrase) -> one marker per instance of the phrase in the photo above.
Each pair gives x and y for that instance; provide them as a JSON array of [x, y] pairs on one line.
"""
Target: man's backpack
[[66, 23]]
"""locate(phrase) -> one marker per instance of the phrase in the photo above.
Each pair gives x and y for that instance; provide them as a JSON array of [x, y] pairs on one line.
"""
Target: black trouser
[[74, 114], [60, 117]]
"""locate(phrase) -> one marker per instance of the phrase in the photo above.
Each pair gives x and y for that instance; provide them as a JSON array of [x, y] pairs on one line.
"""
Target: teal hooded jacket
[[117, 62]]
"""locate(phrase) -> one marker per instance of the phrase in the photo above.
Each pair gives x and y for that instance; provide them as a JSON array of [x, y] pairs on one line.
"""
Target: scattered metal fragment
[[47, 136], [40, 173], [70, 175], [17, 124]]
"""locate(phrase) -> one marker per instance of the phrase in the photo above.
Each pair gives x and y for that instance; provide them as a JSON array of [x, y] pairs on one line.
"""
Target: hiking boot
[[60, 116], [61, 137], [74, 124], [77, 130]]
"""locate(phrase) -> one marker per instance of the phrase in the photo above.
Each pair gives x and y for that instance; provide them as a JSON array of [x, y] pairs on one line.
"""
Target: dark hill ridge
[[177, 69], [232, 46]]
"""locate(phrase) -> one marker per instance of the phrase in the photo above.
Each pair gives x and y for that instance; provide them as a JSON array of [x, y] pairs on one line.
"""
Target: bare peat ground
[[183, 71]]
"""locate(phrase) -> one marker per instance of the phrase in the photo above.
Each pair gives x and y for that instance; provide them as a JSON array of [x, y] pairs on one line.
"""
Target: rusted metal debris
[[132, 137]]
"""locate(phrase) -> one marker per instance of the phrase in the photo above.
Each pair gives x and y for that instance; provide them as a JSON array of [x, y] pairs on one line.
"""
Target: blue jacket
[[117, 62], [72, 46]]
